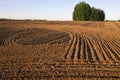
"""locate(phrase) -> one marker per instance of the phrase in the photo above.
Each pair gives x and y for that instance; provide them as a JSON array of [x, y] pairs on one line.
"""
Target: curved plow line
[[115, 48], [79, 45], [93, 38], [115, 51], [87, 50], [77, 49], [117, 41], [81, 50], [85, 55], [116, 44], [99, 52], [92, 48], [8, 41], [112, 52], [88, 55], [70, 44], [11, 42], [2, 42], [95, 51], [102, 50], [72, 49], [107, 52]]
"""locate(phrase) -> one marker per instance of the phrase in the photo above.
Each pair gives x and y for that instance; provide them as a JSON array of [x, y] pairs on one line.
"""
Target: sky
[[54, 9]]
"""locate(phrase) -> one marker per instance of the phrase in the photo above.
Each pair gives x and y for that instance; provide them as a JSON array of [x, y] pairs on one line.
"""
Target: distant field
[[59, 50]]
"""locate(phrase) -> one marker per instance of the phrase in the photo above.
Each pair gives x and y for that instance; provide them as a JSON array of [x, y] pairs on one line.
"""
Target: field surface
[[59, 50]]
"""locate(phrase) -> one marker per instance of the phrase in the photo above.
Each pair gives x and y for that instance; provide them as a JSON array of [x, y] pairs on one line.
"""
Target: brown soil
[[59, 50]]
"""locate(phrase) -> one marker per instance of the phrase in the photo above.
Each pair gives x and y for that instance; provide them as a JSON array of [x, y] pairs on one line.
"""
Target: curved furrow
[[107, 52], [71, 51], [94, 53], [2, 41], [70, 44], [102, 50], [82, 50], [115, 48], [112, 52], [91, 49], [85, 55], [88, 51], [80, 47], [116, 44], [9, 41], [94, 50], [77, 49], [99, 53], [6, 42], [96, 46]]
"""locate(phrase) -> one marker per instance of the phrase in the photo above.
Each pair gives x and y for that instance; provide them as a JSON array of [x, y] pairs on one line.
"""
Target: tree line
[[84, 12]]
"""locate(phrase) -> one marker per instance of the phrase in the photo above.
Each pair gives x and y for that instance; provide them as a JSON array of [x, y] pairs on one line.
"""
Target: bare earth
[[53, 50]]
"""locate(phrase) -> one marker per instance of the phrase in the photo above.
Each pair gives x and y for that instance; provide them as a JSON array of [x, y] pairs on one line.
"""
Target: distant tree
[[97, 15], [81, 11], [119, 20]]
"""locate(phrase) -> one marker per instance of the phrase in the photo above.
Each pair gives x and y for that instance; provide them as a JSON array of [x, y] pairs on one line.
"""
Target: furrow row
[[84, 48]]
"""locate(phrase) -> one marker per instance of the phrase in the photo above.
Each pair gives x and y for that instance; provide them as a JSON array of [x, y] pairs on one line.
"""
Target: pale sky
[[54, 9]]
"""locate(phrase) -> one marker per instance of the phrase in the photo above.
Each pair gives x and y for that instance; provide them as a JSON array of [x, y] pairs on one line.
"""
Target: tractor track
[[90, 48], [33, 36]]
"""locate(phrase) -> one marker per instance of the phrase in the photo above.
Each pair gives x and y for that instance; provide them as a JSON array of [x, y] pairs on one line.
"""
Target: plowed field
[[53, 50]]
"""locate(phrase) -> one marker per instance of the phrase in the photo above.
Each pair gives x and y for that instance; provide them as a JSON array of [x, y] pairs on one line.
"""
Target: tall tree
[[97, 14], [81, 11]]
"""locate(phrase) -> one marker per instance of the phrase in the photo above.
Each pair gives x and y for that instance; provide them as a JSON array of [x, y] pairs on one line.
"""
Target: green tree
[[97, 14], [119, 20], [82, 11]]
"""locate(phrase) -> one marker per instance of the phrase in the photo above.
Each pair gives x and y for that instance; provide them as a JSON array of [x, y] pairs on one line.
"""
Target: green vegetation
[[83, 12], [97, 14]]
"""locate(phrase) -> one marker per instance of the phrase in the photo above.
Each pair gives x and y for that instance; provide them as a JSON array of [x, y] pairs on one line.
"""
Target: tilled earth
[[59, 50]]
